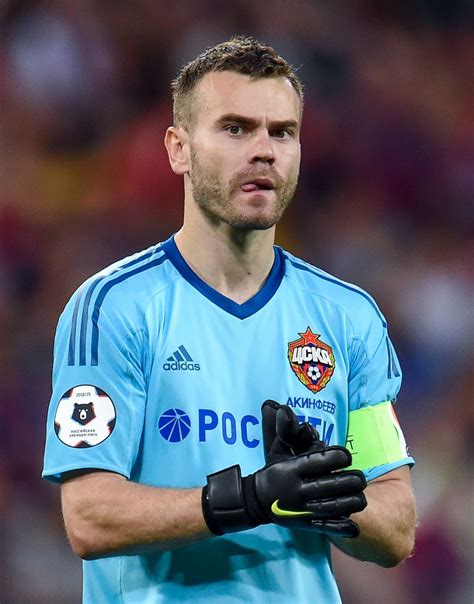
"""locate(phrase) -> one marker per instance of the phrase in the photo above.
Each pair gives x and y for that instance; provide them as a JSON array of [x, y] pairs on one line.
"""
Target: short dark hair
[[240, 54]]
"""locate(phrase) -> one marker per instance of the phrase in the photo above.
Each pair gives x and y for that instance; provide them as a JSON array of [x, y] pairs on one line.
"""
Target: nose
[[262, 148]]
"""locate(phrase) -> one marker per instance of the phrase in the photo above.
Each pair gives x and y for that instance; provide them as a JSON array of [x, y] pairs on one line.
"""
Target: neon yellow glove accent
[[374, 437], [288, 513]]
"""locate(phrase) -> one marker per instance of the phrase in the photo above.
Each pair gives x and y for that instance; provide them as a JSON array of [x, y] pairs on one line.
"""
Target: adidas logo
[[180, 360]]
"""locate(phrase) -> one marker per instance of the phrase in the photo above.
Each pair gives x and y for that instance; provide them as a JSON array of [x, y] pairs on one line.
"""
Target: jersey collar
[[241, 311]]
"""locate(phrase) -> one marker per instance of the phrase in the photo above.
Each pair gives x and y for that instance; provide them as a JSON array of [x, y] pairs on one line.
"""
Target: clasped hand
[[303, 483]]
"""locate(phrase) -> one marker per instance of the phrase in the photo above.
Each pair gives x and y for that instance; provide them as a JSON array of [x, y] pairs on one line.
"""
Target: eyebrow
[[251, 122]]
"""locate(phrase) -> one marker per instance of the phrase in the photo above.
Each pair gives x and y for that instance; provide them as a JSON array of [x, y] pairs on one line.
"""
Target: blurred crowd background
[[385, 200]]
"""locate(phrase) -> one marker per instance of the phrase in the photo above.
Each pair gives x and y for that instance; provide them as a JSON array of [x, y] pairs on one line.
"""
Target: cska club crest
[[312, 360]]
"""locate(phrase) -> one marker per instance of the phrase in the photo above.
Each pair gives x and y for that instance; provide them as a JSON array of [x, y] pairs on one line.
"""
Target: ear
[[177, 146]]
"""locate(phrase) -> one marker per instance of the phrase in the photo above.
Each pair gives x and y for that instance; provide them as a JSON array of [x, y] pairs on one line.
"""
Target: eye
[[234, 129], [282, 134]]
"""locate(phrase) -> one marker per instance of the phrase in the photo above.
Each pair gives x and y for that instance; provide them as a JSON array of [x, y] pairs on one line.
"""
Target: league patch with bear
[[85, 417]]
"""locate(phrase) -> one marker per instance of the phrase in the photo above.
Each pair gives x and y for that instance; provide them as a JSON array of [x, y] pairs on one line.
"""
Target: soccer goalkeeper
[[176, 485]]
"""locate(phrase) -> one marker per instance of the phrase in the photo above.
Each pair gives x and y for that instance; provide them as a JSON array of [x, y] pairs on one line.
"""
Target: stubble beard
[[215, 196]]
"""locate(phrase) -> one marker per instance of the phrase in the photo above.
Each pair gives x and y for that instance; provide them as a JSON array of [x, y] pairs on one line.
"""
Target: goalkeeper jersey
[[160, 378]]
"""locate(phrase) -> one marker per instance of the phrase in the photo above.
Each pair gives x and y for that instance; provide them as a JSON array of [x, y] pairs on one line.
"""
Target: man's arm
[[387, 525], [104, 514]]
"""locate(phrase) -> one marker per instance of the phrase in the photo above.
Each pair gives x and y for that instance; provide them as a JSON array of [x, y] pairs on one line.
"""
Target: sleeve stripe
[[392, 370], [72, 336], [85, 311], [83, 321], [100, 299]]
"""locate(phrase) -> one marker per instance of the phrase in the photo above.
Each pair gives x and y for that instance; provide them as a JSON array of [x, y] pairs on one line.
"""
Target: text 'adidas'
[[181, 360]]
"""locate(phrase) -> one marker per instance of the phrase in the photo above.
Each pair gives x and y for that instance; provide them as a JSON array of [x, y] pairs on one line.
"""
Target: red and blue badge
[[311, 360]]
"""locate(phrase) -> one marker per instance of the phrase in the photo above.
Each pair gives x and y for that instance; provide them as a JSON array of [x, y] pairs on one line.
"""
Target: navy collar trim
[[241, 311]]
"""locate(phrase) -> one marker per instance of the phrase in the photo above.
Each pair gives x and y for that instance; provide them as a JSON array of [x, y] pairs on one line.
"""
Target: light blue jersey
[[160, 378]]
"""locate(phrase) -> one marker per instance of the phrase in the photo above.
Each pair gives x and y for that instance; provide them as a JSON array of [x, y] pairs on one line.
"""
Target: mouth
[[257, 184]]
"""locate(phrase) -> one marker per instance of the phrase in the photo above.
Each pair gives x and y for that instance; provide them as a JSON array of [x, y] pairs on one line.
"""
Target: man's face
[[244, 149]]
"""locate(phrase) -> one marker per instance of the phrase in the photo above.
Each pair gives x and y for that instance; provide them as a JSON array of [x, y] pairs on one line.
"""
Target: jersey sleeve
[[96, 413], [375, 376]]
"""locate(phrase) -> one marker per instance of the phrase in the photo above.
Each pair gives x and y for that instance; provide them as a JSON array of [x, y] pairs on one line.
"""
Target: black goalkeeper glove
[[283, 437], [305, 490]]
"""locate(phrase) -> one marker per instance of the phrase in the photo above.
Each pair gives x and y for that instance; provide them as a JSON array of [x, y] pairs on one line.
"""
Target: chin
[[254, 223], [252, 226]]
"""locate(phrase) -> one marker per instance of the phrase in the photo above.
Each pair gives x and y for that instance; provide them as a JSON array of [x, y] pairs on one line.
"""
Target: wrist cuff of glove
[[223, 503]]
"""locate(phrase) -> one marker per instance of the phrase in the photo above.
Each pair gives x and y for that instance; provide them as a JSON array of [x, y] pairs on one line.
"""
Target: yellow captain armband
[[374, 437]]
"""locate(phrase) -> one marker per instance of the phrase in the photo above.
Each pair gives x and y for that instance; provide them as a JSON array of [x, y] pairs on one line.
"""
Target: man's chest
[[210, 373]]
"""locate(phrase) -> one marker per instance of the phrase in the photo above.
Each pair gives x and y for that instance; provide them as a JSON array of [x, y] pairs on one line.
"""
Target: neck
[[234, 262]]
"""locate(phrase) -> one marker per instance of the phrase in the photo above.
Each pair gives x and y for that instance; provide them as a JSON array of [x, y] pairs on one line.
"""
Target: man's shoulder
[[133, 280], [353, 299]]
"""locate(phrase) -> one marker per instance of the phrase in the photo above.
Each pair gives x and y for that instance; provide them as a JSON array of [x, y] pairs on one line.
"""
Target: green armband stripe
[[374, 437]]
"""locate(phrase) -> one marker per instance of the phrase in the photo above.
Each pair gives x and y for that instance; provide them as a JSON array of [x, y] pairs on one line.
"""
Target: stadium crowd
[[385, 200]]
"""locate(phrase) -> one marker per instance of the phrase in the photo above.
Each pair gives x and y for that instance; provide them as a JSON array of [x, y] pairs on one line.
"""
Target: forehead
[[224, 92]]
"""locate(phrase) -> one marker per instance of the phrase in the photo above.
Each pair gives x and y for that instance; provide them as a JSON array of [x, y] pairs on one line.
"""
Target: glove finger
[[269, 413], [334, 485], [340, 506], [298, 438], [308, 440], [322, 463], [342, 527], [287, 426]]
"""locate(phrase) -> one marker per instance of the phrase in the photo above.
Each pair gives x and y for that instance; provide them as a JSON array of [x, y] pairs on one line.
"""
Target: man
[[162, 362]]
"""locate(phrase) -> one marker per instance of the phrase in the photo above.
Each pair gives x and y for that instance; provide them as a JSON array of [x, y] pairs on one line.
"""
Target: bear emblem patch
[[83, 413]]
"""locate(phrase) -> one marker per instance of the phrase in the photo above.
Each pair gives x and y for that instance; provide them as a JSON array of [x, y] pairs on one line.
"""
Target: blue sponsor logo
[[174, 426], [229, 426]]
